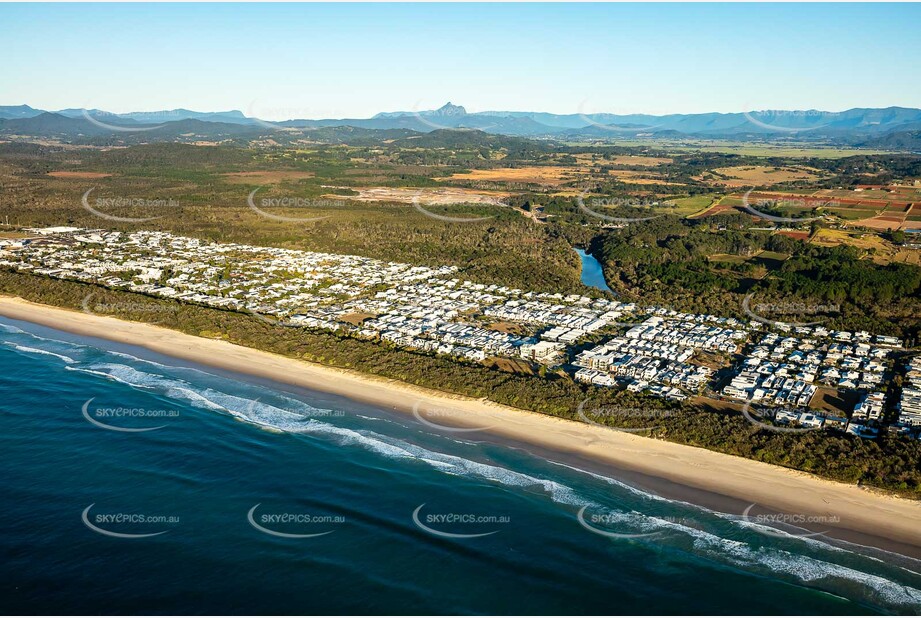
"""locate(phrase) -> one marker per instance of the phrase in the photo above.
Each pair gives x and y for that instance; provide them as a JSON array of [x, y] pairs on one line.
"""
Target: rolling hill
[[862, 127]]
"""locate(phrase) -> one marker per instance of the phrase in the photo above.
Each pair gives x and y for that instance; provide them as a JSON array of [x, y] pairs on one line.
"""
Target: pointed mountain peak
[[448, 109]]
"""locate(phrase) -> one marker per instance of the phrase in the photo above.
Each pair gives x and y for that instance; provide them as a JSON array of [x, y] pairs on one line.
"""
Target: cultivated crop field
[[877, 248]]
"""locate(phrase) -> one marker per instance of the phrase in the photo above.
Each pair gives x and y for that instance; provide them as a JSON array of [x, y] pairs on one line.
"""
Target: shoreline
[[866, 517]]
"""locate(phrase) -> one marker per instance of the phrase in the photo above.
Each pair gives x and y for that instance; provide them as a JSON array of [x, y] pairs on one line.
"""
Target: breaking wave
[[29, 350]]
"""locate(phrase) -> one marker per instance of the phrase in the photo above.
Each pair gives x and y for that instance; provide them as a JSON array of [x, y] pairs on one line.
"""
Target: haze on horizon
[[352, 61]]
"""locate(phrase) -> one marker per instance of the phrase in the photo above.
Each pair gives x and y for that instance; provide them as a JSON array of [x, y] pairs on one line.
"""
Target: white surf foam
[[630, 488], [29, 350], [805, 569]]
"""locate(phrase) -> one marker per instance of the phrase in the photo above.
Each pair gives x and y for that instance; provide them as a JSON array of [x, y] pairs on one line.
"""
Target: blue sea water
[[249, 497]]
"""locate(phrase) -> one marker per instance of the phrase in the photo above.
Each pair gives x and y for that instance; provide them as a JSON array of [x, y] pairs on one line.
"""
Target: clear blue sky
[[349, 60]]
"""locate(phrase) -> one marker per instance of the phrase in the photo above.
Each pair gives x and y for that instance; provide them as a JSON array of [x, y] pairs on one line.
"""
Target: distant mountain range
[[891, 127]]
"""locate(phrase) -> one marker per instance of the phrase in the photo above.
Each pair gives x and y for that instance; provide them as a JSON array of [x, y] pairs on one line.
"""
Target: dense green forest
[[711, 265]]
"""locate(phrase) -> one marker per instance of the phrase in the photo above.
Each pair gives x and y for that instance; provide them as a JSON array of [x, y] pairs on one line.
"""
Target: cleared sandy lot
[[78, 175], [755, 175], [436, 196], [266, 177], [536, 174]]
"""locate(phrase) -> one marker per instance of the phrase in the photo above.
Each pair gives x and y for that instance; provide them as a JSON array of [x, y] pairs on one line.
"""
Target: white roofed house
[[544, 352], [889, 341], [811, 420], [910, 405], [785, 417], [637, 386], [742, 384], [870, 407], [603, 379], [835, 422], [587, 374]]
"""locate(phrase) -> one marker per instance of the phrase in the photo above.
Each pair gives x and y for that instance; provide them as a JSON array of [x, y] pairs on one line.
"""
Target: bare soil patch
[[639, 178], [639, 160], [437, 196], [883, 223], [509, 365], [512, 328], [723, 205], [535, 174], [266, 177], [794, 234], [355, 319], [78, 174]]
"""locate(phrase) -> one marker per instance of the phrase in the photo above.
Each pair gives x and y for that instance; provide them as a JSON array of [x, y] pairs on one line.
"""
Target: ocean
[[135, 483]]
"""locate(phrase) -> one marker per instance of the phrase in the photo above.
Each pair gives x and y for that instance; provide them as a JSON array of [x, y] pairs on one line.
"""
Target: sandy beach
[[867, 513]]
